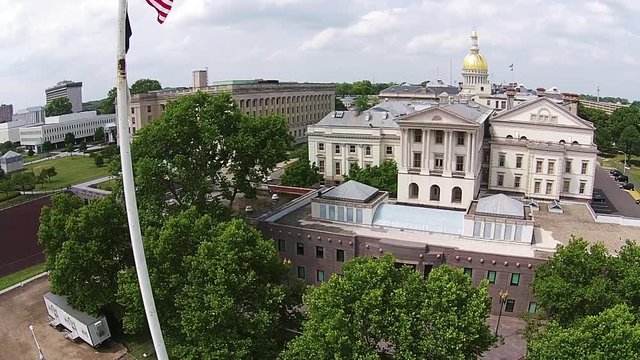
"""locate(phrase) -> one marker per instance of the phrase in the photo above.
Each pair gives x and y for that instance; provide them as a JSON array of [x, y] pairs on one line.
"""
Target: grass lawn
[[8, 196], [26, 158], [107, 185], [21, 275], [71, 170], [138, 345], [20, 199]]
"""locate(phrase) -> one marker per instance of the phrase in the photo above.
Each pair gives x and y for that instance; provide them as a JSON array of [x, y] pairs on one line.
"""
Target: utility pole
[[40, 354]]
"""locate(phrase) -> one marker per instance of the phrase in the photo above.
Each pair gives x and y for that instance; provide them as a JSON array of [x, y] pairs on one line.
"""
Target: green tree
[[24, 180], [99, 134], [363, 102], [108, 105], [6, 146], [47, 146], [83, 146], [98, 160], [375, 309], [237, 276], [53, 223], [5, 184], [143, 86], [69, 138], [340, 105], [59, 106], [301, 174], [383, 177], [621, 118], [87, 266], [612, 334], [626, 267], [577, 281], [30, 152], [629, 141], [47, 173]]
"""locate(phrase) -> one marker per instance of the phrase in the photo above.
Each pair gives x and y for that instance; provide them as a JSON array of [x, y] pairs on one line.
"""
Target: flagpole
[[129, 190]]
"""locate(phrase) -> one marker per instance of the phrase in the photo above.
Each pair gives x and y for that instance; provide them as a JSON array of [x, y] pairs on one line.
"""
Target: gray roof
[[351, 191], [382, 115], [471, 111], [10, 155], [500, 205], [419, 218], [61, 302], [410, 89]]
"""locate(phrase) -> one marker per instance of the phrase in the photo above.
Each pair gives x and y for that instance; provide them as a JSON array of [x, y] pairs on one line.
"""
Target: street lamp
[[40, 354], [504, 295], [624, 168]]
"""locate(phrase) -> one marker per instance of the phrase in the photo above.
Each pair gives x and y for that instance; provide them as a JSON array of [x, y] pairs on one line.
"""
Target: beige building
[[607, 107], [302, 104]]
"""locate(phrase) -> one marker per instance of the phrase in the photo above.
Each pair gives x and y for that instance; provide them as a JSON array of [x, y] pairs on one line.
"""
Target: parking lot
[[24, 306], [622, 203]]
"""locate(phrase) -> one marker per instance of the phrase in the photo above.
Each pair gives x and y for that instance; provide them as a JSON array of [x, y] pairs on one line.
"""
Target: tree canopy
[[59, 106], [363, 102], [363, 87], [340, 106], [301, 174], [384, 177], [143, 86], [108, 105], [69, 138], [629, 141], [375, 309]]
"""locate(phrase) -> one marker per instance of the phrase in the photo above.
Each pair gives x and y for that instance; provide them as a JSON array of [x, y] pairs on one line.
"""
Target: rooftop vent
[[338, 114], [367, 117], [385, 115]]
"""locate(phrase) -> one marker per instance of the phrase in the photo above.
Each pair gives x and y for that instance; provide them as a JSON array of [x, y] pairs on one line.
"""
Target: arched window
[[523, 138], [434, 194], [562, 142], [413, 191], [456, 195], [575, 143], [509, 137]]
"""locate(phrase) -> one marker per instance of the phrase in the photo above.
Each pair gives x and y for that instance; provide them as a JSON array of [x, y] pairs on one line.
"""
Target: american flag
[[162, 7]]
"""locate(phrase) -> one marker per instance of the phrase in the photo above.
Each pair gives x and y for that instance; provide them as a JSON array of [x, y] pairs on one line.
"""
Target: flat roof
[[419, 218]]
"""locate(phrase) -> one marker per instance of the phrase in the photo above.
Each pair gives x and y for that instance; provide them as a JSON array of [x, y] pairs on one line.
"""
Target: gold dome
[[475, 61]]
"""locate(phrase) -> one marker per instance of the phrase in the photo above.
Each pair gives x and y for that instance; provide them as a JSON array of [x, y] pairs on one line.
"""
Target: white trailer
[[79, 324]]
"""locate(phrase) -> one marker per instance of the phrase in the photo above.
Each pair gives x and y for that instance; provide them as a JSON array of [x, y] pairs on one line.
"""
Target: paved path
[[514, 345], [621, 200]]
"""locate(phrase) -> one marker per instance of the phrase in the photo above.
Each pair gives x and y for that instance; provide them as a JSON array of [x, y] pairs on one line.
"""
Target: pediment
[[435, 116], [544, 112]]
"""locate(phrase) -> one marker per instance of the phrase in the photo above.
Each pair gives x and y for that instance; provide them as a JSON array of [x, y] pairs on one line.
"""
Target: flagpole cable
[[129, 190]]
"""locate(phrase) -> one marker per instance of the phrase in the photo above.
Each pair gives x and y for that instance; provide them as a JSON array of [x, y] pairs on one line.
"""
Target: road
[[622, 201]]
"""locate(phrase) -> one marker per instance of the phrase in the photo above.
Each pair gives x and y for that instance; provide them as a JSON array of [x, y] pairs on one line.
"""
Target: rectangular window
[[518, 235], [460, 138], [519, 161], [439, 136], [510, 305], [340, 255], [477, 225], [500, 179], [320, 146], [350, 214], [132, 111], [427, 270], [320, 275], [487, 230], [582, 186], [459, 163], [148, 108], [337, 149], [417, 160], [497, 234], [321, 166], [340, 213], [359, 216], [551, 167], [352, 149], [501, 159], [507, 231], [417, 136], [549, 188], [516, 181], [301, 272], [536, 187], [438, 161], [491, 276], [338, 168], [319, 252], [533, 307], [566, 185], [515, 279], [567, 166], [389, 150], [538, 166], [323, 211], [585, 165], [503, 104], [468, 271], [300, 248], [281, 245]]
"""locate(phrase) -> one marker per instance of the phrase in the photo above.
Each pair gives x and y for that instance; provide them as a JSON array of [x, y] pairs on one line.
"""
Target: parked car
[[598, 196], [627, 186], [615, 172], [622, 178]]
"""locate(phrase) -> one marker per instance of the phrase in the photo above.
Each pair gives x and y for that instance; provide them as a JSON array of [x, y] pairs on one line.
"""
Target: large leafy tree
[[612, 334], [69, 138], [24, 180], [375, 310], [99, 134], [87, 264], [108, 105], [621, 118], [383, 177], [142, 86], [301, 174], [233, 301], [59, 106], [53, 223], [629, 141]]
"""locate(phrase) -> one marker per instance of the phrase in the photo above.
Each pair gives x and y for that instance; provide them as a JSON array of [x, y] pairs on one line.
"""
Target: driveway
[[623, 203], [24, 306]]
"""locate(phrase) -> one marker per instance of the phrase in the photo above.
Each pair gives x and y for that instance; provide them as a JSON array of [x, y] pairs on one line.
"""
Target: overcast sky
[[574, 45]]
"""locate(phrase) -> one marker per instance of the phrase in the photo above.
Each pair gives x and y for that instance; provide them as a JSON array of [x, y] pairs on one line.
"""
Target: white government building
[[449, 150]]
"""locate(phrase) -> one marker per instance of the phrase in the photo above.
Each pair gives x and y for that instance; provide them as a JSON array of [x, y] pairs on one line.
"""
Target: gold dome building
[[475, 70]]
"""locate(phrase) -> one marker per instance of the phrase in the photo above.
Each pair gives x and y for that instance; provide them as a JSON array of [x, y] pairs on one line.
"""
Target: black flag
[[128, 34]]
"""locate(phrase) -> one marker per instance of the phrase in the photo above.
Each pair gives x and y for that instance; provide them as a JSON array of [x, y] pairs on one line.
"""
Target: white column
[[361, 162], [329, 170], [403, 140], [468, 159], [425, 151], [474, 154], [408, 148], [447, 153], [345, 163]]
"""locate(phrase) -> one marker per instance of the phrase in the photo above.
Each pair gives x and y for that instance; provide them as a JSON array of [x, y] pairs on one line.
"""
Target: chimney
[[443, 98], [570, 101], [460, 85], [511, 94], [540, 91]]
